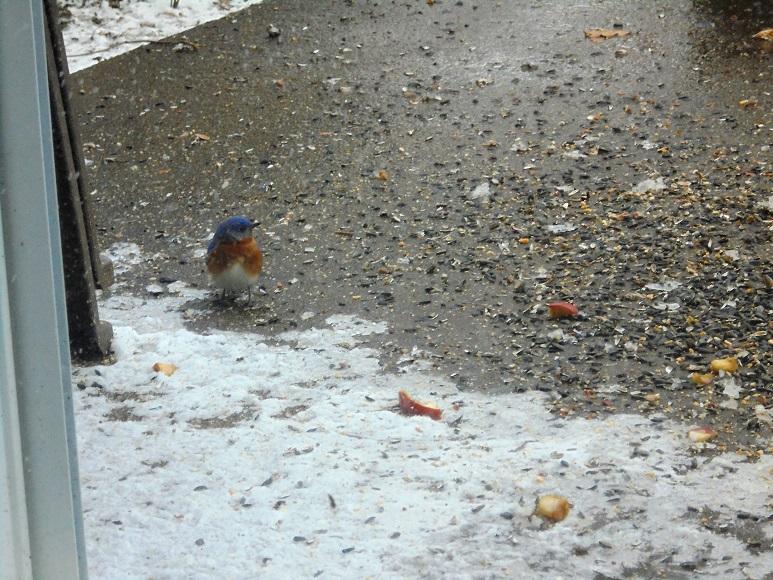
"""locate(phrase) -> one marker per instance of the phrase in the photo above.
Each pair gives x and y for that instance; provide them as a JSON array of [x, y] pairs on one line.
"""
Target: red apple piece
[[410, 406], [701, 434], [562, 310]]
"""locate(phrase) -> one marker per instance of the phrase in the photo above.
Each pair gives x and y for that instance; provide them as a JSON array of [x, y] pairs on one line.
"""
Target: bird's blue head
[[232, 230]]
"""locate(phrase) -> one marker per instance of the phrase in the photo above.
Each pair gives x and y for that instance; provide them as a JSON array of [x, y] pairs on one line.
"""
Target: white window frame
[[41, 530]]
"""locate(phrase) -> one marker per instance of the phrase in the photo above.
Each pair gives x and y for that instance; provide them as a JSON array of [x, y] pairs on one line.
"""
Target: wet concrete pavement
[[451, 168]]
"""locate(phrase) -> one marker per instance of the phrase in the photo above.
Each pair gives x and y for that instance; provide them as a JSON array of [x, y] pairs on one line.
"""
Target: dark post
[[83, 270]]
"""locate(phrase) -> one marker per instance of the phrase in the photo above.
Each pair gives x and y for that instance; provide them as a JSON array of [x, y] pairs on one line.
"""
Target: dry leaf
[[201, 136], [702, 379], [747, 103], [729, 365], [766, 34], [167, 368], [382, 175], [599, 34]]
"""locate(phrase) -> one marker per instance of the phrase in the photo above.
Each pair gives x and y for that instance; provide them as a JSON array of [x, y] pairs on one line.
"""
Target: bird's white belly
[[234, 278]]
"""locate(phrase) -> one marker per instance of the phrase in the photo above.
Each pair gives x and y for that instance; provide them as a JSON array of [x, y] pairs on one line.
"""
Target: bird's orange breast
[[244, 252]]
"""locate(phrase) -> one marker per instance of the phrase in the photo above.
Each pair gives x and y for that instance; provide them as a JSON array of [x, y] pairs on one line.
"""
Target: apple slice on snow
[[552, 507], [701, 434], [410, 406]]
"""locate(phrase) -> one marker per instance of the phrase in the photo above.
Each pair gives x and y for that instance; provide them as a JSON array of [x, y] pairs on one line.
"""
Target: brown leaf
[[747, 103], [599, 34], [702, 379], [382, 175], [729, 365]]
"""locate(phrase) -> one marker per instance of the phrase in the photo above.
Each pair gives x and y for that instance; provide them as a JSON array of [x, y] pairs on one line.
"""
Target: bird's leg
[[249, 295], [223, 296]]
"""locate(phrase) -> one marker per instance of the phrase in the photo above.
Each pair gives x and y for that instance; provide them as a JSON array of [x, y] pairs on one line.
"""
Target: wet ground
[[451, 167]]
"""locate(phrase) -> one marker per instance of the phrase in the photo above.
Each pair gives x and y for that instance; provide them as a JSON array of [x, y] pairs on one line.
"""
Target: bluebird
[[234, 260]]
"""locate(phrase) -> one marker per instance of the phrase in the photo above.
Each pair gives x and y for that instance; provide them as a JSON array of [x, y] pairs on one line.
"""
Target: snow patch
[[95, 31], [285, 458], [650, 185], [124, 255], [482, 190]]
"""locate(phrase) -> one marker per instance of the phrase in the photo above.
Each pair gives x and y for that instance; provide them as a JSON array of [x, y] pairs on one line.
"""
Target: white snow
[[561, 228], [649, 185], [124, 256], [483, 190], [574, 154], [226, 469], [94, 31], [664, 286]]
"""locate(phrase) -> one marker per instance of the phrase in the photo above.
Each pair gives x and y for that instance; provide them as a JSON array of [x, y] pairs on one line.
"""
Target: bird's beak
[[254, 225]]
